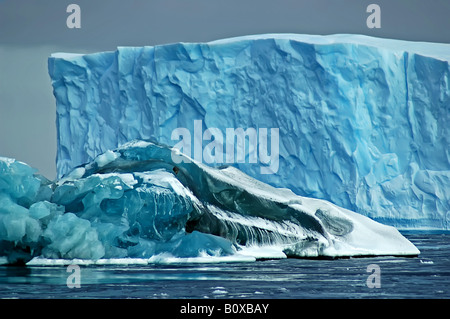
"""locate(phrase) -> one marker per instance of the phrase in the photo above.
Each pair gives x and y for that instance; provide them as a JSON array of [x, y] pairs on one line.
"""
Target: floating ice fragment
[[139, 207]]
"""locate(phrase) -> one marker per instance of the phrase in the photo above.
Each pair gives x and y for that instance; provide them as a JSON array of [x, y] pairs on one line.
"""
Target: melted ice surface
[[141, 207]]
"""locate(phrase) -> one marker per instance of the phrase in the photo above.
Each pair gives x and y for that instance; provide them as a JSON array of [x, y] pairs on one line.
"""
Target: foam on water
[[160, 259]]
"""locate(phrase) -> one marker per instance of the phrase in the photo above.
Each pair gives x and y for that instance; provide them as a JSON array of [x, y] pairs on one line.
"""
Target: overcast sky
[[31, 30]]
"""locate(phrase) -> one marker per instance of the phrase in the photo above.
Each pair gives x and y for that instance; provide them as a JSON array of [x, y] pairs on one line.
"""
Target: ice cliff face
[[362, 122], [136, 202]]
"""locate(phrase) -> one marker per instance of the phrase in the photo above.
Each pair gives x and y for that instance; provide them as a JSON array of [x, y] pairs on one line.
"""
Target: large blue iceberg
[[361, 122], [136, 204]]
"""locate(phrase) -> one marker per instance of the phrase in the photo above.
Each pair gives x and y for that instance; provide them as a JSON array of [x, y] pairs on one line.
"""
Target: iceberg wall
[[362, 122]]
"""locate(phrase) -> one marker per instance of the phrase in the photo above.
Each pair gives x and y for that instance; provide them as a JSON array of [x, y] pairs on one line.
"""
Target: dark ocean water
[[425, 276]]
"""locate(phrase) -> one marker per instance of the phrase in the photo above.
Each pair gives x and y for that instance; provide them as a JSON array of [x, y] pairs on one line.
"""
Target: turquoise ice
[[135, 203]]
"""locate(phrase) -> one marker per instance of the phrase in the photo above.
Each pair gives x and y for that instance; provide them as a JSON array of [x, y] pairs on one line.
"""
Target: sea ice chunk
[[141, 204]]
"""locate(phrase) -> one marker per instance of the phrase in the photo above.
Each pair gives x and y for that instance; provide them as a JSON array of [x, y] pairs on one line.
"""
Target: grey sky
[[31, 30]]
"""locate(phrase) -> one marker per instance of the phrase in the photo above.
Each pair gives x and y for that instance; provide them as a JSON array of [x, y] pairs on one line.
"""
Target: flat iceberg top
[[431, 49], [136, 205], [64, 55]]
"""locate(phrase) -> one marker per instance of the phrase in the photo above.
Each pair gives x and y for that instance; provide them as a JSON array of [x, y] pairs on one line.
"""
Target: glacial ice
[[363, 122], [135, 205]]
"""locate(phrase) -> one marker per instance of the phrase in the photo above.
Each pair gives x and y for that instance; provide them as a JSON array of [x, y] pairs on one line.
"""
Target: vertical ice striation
[[363, 122]]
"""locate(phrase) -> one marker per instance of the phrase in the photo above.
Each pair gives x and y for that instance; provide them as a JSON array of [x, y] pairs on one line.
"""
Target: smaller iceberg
[[134, 204]]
